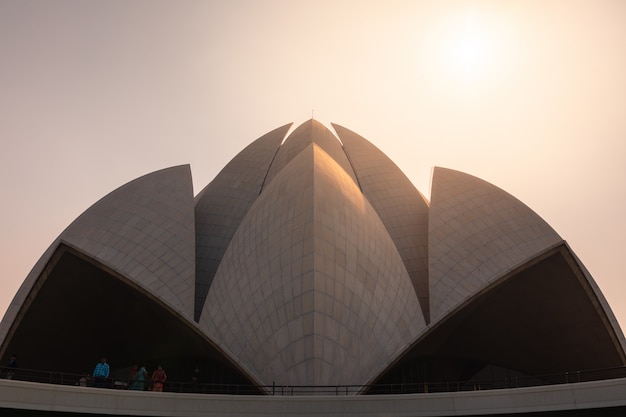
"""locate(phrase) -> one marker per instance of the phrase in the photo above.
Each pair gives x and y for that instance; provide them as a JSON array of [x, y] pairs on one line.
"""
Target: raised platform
[[585, 398]]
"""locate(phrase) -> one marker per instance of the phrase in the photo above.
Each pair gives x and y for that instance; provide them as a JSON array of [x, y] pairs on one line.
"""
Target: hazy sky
[[528, 95]]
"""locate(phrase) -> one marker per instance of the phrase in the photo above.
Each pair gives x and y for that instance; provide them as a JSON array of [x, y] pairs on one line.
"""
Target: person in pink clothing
[[158, 378]]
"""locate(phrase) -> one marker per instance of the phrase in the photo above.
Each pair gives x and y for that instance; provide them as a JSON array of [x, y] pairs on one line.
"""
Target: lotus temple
[[310, 277]]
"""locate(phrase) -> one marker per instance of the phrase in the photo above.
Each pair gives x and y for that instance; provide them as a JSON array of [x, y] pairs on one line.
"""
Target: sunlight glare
[[469, 52]]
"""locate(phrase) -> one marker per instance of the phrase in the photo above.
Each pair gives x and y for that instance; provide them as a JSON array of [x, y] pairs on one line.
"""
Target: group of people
[[138, 379]]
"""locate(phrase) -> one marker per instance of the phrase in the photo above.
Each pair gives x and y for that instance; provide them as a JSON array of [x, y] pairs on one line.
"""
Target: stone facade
[[313, 261]]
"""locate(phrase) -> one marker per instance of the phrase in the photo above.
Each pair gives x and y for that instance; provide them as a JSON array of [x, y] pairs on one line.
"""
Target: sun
[[469, 49]]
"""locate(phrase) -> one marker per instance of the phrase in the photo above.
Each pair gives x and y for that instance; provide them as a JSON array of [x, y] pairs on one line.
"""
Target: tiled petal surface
[[223, 203], [145, 231], [477, 233], [312, 289], [403, 209]]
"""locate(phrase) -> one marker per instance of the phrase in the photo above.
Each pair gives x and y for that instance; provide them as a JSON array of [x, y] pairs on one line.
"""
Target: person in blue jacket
[[101, 373]]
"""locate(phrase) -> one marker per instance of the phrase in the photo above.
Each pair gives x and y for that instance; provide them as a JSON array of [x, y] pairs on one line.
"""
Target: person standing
[[158, 378], [11, 367], [84, 380], [133, 376], [195, 379], [101, 373], [140, 379]]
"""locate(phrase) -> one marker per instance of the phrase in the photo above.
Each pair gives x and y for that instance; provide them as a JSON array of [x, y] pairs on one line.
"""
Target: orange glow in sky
[[528, 95]]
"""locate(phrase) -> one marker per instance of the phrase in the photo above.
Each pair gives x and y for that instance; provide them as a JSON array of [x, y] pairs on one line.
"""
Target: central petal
[[312, 290]]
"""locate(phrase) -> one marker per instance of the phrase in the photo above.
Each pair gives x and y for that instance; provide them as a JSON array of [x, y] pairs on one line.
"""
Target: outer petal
[[312, 290], [477, 233], [144, 230], [508, 295]]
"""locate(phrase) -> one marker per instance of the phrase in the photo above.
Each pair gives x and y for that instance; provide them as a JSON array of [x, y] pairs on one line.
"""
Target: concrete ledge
[[579, 396]]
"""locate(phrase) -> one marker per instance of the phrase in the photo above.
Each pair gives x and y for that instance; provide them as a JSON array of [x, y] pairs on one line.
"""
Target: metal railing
[[63, 378], [500, 383]]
